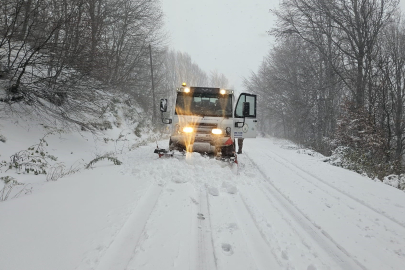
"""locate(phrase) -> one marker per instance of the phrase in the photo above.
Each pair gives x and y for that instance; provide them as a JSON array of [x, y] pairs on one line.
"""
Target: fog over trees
[[335, 80]]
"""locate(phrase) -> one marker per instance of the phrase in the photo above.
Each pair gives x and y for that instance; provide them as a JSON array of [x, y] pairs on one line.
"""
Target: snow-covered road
[[280, 209]]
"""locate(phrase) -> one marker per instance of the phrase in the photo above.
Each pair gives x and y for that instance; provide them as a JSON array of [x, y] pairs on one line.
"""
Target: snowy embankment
[[279, 210]]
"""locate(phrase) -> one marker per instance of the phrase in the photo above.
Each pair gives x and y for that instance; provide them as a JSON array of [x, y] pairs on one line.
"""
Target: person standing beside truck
[[240, 145]]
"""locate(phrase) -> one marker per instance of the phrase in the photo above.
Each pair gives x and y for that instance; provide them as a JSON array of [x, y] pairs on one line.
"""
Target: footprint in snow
[[179, 179], [194, 200], [231, 189], [227, 249], [311, 267], [213, 191], [284, 255], [232, 227], [200, 216]]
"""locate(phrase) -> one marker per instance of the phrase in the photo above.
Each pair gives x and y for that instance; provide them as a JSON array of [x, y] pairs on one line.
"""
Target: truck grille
[[205, 128]]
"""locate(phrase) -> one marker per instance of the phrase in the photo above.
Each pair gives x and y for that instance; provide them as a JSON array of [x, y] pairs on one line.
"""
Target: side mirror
[[166, 121], [246, 109], [163, 105]]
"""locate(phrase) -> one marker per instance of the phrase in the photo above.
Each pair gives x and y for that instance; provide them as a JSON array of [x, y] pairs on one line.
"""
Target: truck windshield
[[204, 105]]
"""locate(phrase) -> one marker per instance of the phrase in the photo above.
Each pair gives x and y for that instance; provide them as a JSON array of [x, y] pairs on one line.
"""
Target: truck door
[[245, 117]]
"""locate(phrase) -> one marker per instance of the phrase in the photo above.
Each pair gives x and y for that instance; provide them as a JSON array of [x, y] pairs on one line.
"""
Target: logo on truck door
[[245, 128]]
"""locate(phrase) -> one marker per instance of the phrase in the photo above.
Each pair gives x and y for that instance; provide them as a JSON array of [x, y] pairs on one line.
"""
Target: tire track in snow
[[282, 242], [322, 238], [170, 238], [121, 250], [206, 255], [299, 170], [230, 241], [257, 243]]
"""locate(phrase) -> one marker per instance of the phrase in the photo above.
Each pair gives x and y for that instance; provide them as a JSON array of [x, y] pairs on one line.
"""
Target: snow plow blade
[[163, 152], [174, 153], [168, 153]]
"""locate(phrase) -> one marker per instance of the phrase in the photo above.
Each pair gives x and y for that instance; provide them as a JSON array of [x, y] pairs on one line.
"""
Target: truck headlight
[[216, 131], [188, 129]]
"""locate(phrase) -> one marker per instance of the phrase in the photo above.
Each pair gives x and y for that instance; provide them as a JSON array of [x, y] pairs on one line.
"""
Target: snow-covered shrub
[[290, 147], [7, 179], [130, 114], [34, 160], [359, 161], [327, 145], [118, 122], [104, 125], [310, 152], [138, 130], [9, 184], [397, 181], [361, 146], [59, 170], [338, 157], [115, 100], [114, 111], [107, 156]]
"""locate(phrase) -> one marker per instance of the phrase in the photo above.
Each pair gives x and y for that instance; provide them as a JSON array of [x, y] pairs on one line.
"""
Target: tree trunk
[[27, 9]]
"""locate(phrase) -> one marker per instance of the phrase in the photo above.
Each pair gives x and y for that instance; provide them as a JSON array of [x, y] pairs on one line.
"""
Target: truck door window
[[239, 106], [251, 100]]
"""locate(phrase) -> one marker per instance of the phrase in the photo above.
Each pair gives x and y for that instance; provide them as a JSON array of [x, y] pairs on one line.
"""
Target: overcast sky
[[224, 35]]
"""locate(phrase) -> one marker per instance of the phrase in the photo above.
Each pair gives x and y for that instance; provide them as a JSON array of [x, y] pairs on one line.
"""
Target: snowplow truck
[[207, 120]]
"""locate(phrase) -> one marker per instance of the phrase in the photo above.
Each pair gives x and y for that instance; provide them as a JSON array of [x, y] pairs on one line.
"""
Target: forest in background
[[335, 81]]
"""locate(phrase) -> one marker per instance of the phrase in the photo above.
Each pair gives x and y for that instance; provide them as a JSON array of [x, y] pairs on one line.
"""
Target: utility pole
[[153, 86]]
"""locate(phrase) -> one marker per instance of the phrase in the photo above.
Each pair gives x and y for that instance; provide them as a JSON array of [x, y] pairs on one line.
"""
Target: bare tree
[[59, 56], [290, 93], [218, 79], [341, 64], [351, 27], [391, 84]]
